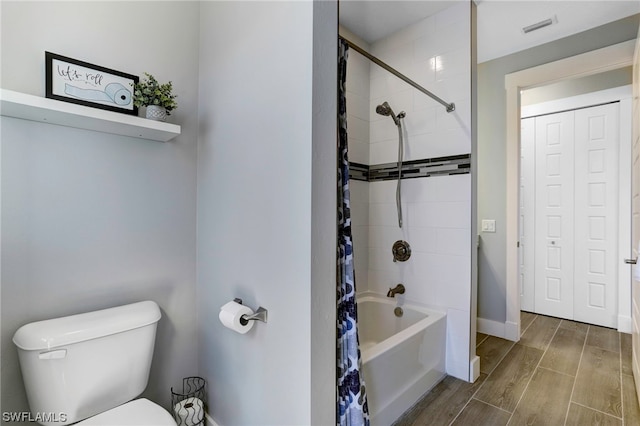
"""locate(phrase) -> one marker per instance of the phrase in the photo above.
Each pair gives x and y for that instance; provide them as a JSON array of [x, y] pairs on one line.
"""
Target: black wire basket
[[188, 406]]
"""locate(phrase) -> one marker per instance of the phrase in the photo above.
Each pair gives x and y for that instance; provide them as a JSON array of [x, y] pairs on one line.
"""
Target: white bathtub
[[402, 357]]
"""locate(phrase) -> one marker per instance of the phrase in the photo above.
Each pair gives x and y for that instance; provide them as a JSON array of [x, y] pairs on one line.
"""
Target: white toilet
[[90, 366]]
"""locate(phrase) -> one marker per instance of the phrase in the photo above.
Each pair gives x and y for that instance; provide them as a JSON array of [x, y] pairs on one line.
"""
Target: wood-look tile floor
[[559, 373]]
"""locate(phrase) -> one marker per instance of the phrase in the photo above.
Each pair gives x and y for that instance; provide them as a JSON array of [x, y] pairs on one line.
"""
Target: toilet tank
[[81, 365]]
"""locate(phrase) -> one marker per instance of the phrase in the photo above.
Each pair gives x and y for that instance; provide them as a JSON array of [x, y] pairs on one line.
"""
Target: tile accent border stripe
[[440, 166], [358, 171]]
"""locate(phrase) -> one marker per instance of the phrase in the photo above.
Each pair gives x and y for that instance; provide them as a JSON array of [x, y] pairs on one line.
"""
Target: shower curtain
[[352, 399]]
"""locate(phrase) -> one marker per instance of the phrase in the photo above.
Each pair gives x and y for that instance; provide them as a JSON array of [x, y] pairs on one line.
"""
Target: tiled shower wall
[[358, 129], [435, 53]]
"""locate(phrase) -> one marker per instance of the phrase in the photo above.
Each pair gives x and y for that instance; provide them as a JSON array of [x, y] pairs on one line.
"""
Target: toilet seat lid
[[139, 412]]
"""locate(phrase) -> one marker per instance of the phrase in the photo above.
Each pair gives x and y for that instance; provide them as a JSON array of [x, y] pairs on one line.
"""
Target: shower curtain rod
[[450, 107]]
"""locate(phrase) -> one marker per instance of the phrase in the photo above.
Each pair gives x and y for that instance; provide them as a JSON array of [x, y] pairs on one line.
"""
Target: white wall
[[323, 216], [262, 199], [577, 86], [436, 53], [91, 220]]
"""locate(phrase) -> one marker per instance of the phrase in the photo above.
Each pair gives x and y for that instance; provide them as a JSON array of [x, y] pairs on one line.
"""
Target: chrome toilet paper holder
[[259, 315]]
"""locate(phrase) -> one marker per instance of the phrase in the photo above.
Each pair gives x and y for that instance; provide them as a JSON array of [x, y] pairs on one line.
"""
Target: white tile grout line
[[480, 387], [535, 370], [482, 341], [584, 345], [494, 369], [556, 371], [506, 352], [538, 366], [596, 410], [460, 412], [525, 330], [499, 361], [490, 405]]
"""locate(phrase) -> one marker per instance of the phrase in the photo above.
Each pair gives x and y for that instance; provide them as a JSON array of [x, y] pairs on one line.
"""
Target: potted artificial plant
[[158, 98]]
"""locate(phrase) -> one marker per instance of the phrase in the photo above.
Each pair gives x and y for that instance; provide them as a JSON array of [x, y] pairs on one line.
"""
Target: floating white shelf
[[45, 110]]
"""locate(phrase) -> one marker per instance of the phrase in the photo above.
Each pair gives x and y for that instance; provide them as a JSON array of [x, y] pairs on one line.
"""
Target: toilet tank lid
[[57, 332]]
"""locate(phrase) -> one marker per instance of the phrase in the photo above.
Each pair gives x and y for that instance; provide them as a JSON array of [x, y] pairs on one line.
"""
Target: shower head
[[385, 109]]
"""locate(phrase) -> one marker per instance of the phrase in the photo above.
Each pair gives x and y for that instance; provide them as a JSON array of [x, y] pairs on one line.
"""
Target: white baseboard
[[511, 331], [490, 327], [210, 421], [474, 369], [505, 330], [625, 325]]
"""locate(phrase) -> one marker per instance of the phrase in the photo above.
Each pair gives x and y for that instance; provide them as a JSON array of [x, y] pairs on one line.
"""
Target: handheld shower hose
[[385, 109]]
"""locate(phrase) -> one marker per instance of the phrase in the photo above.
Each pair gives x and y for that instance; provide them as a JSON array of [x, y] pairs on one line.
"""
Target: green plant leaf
[[149, 92]]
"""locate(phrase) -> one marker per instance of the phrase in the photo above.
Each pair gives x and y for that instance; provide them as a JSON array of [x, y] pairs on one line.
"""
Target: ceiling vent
[[541, 24]]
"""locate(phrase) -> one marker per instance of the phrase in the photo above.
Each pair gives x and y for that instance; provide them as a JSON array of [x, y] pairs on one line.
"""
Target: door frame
[[597, 61], [623, 96]]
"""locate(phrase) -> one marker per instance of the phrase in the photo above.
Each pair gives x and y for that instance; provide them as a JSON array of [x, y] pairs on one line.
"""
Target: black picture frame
[[82, 83]]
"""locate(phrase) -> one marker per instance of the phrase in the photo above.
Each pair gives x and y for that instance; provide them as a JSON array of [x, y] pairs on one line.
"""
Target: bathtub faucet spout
[[399, 289]]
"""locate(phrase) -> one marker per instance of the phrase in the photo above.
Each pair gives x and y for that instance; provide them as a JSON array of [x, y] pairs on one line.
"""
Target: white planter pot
[[155, 112]]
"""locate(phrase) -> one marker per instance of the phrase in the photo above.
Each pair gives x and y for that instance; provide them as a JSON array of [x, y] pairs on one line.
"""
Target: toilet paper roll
[[189, 412], [230, 315]]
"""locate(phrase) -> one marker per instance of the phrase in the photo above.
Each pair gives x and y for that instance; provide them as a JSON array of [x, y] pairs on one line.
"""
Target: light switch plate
[[488, 225]]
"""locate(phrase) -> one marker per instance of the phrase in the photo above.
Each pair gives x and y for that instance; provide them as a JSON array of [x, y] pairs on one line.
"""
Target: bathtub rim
[[380, 348]]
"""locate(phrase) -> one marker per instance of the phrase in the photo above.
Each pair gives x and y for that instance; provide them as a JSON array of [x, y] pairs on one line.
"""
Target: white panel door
[[554, 213], [575, 218], [596, 215], [526, 222], [635, 221]]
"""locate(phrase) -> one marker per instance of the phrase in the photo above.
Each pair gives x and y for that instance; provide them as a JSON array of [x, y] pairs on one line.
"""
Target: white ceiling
[[373, 20], [500, 22]]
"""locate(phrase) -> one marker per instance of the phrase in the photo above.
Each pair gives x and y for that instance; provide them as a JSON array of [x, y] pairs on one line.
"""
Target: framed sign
[[78, 82]]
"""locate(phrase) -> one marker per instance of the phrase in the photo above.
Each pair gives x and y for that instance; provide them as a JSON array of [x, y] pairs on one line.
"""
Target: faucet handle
[[398, 289], [401, 251]]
